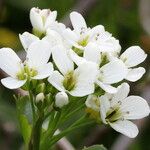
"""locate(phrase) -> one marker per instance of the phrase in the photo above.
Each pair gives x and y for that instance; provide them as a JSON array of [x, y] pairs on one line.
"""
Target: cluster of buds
[[78, 62]]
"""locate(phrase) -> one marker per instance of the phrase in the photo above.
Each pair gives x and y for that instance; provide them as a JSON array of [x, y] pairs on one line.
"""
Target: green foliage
[[95, 147], [25, 128]]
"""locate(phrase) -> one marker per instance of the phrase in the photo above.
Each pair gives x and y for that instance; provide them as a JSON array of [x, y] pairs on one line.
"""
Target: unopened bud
[[61, 99], [40, 98], [40, 88]]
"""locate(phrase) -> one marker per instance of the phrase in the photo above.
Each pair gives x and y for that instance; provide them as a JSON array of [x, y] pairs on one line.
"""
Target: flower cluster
[[78, 62]]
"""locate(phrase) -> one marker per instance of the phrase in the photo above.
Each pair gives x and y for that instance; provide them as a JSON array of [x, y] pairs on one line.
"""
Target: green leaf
[[25, 128], [95, 147]]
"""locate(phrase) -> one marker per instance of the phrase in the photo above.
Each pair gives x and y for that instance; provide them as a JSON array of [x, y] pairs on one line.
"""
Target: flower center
[[83, 42], [26, 72], [69, 81], [113, 114]]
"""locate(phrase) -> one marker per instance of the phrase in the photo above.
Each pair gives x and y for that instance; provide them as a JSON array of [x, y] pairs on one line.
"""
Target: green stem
[[79, 123], [52, 128], [36, 133], [32, 105]]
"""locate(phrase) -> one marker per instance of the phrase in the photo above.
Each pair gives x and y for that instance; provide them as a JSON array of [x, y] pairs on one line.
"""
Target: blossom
[[77, 82], [42, 19], [109, 72], [81, 36], [132, 57], [117, 110], [36, 65]]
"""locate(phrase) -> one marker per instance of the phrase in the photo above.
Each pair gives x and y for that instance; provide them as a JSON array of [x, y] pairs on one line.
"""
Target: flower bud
[[41, 88], [41, 19], [40, 98], [61, 99]]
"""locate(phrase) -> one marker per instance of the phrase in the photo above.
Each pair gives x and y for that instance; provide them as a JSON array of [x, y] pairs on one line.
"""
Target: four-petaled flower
[[116, 110], [35, 66]]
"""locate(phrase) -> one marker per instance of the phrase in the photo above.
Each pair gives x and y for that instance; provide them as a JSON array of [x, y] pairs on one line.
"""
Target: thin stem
[[64, 133], [79, 123], [52, 128], [32, 105]]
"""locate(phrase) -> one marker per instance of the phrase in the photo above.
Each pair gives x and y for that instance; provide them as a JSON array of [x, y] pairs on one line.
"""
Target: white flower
[[36, 65], [27, 39], [132, 57], [81, 36], [118, 109], [93, 102], [77, 82], [110, 73], [61, 99], [42, 19]]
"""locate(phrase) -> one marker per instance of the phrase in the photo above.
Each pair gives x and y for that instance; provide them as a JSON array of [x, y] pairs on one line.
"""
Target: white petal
[[104, 107], [51, 18], [61, 59], [92, 53], [56, 79], [133, 56], [136, 107], [106, 87], [38, 54], [77, 59], [36, 19], [96, 30], [77, 21], [113, 72], [10, 62], [135, 74], [44, 71], [26, 39], [12, 83], [122, 93], [125, 127], [86, 76], [53, 38], [70, 36]]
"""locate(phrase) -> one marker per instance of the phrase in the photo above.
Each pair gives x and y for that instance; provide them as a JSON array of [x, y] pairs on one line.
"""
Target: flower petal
[[125, 127], [12, 83], [51, 18], [133, 56], [122, 93], [53, 38], [97, 30], [77, 59], [38, 54], [44, 71], [104, 107], [56, 79], [135, 106], [113, 72], [77, 21], [106, 87], [36, 19], [26, 39], [61, 59], [86, 76], [10, 62], [92, 53], [70, 36], [135, 74]]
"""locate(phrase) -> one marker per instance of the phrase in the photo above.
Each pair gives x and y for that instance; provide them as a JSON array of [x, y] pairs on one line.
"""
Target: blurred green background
[[120, 17]]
